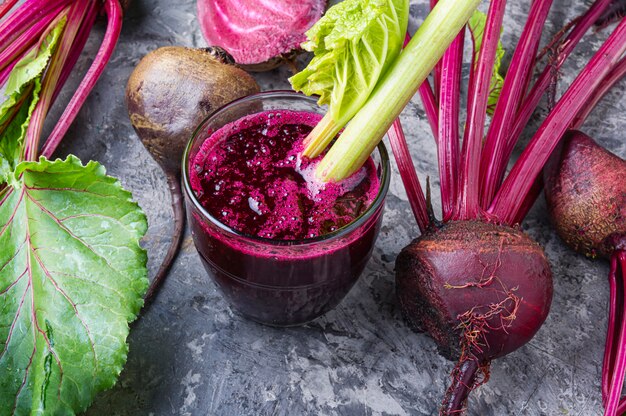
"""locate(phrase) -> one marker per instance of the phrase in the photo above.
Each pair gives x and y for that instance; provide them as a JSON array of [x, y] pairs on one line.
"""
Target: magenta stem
[[615, 313], [26, 39], [493, 162], [430, 106], [468, 205], [408, 174], [428, 97], [29, 13], [415, 194], [519, 182], [6, 6], [74, 18], [529, 201], [617, 364], [95, 8], [541, 85], [114, 27], [436, 71], [607, 83], [448, 137]]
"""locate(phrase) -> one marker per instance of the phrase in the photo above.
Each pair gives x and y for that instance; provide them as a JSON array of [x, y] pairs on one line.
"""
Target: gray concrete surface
[[191, 355]]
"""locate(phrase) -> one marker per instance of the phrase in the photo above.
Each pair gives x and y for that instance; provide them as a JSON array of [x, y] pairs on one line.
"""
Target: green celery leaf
[[72, 276], [476, 25], [353, 44], [22, 92]]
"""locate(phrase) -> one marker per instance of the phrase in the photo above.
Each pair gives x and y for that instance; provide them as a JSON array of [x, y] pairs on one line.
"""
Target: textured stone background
[[191, 355]]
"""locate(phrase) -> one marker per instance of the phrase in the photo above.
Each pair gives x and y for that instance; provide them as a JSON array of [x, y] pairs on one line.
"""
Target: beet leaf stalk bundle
[[476, 283], [586, 195], [72, 272]]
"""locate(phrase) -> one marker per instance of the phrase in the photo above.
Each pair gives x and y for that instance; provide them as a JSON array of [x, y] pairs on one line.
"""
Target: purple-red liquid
[[249, 176]]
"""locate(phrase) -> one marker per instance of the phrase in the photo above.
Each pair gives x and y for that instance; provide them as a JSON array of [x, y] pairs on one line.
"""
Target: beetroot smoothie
[[282, 247], [250, 176]]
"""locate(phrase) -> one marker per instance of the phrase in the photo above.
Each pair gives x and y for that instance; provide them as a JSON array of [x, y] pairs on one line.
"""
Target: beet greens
[[72, 272]]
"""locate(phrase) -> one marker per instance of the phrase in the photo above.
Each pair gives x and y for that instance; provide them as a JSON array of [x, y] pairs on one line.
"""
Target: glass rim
[[345, 230]]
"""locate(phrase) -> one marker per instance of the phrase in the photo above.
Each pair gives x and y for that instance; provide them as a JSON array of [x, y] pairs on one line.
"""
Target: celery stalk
[[395, 89]]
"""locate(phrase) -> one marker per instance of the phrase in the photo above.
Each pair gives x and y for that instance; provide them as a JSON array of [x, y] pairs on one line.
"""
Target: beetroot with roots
[[259, 34], [170, 92], [480, 290], [585, 190]]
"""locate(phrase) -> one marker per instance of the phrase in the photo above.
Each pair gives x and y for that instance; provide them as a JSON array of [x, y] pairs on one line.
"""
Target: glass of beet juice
[[282, 247]]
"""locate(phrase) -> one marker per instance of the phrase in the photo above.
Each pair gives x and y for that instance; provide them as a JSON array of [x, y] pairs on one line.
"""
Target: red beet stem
[[607, 83], [24, 17], [75, 13], [429, 101], [519, 182], [408, 174], [532, 100], [402, 155], [114, 27], [448, 137], [6, 6], [179, 225], [529, 201], [95, 8], [468, 205], [614, 365], [615, 314], [436, 70], [430, 106], [463, 381], [26, 40], [494, 163]]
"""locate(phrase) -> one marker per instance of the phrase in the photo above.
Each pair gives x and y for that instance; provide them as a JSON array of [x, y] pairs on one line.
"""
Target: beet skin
[[478, 289], [586, 194]]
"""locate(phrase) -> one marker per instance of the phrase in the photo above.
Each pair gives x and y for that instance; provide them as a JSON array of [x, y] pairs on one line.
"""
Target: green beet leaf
[[72, 276], [476, 25], [353, 44]]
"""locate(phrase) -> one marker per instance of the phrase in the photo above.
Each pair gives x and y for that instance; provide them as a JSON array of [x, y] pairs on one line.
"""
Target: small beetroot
[[260, 35], [169, 93], [586, 195]]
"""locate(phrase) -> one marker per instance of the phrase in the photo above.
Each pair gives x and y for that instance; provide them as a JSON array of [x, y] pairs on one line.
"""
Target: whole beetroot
[[585, 190], [173, 89], [170, 92], [479, 290]]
